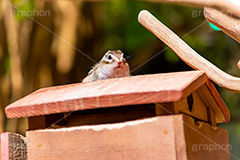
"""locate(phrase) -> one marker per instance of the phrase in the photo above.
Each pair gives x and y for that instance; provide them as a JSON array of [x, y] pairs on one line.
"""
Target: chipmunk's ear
[[106, 53]]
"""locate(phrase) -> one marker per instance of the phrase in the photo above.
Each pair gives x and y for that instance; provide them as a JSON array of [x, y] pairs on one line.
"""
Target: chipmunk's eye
[[109, 57]]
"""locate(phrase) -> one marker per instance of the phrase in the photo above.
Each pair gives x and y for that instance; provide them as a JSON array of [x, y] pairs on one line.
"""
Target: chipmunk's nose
[[119, 62]]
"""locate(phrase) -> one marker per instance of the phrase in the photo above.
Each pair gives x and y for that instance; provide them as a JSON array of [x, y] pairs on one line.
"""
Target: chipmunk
[[112, 65]]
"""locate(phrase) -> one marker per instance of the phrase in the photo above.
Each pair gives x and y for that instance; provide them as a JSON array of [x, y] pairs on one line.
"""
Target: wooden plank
[[179, 136], [204, 141], [4, 146], [226, 23], [218, 100], [161, 138], [13, 146], [151, 138], [187, 54], [144, 89], [211, 117], [215, 102]]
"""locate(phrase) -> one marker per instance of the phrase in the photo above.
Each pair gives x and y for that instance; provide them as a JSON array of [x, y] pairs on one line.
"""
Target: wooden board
[[144, 89], [214, 101], [202, 140], [128, 140], [159, 138], [13, 146]]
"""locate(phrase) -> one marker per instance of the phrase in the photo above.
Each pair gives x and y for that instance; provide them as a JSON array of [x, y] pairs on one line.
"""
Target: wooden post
[[13, 146]]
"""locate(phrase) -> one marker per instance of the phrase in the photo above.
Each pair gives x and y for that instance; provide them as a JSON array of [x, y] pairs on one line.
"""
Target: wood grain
[[142, 139], [160, 138], [13, 146], [215, 98], [204, 98], [227, 23], [204, 141], [4, 146], [198, 109], [144, 89], [213, 101], [187, 54]]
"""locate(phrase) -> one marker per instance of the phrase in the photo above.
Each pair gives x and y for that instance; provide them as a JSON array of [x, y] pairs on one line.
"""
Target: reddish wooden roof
[[143, 89]]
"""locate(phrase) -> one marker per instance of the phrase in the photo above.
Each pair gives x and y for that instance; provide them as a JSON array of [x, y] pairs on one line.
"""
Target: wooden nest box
[[169, 116], [160, 116]]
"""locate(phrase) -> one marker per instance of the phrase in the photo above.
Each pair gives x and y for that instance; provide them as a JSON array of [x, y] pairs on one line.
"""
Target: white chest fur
[[116, 72]]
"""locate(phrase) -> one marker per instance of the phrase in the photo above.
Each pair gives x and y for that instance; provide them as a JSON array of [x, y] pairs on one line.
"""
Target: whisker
[[128, 57]]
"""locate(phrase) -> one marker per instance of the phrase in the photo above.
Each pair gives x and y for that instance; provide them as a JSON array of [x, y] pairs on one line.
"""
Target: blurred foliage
[[22, 9], [45, 48]]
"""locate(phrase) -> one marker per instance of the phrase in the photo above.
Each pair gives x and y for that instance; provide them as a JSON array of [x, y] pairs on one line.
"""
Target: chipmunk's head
[[114, 57], [115, 64]]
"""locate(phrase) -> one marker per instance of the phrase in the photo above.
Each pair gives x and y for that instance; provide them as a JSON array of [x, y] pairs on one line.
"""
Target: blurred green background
[[41, 44]]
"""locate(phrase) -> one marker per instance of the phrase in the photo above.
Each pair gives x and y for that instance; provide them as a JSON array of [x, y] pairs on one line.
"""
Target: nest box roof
[[143, 89]]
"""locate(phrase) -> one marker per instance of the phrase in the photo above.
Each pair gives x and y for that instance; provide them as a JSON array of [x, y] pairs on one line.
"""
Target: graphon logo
[[197, 13], [200, 13], [31, 13], [211, 147]]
